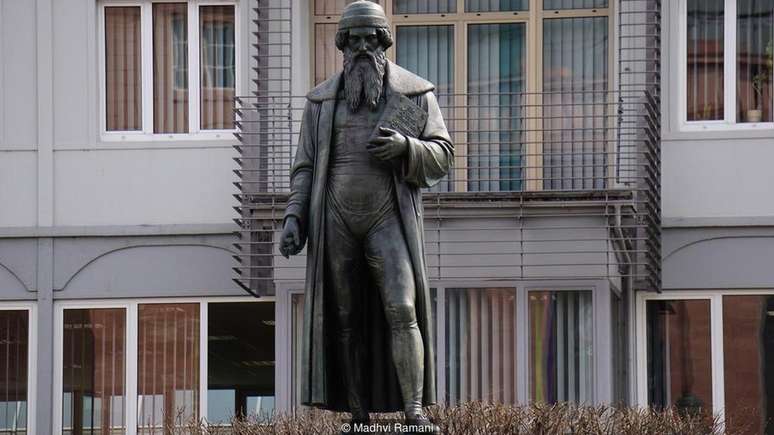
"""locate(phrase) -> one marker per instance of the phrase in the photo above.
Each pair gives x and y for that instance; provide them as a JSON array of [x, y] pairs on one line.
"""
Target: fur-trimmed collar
[[398, 79]]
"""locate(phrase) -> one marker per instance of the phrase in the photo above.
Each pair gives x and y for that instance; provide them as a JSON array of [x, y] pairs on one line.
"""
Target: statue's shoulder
[[325, 90], [406, 82]]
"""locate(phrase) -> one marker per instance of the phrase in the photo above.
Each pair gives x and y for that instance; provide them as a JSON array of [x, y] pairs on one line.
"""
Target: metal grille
[[561, 185]]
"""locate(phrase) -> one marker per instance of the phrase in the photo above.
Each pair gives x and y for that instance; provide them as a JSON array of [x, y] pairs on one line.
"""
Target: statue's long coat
[[427, 161]]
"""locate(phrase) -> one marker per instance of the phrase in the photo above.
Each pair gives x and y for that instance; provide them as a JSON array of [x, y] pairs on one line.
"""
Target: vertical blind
[[560, 339], [705, 60], [573, 4], [170, 67], [496, 5], [167, 366], [575, 79], [218, 66], [429, 52], [754, 58], [93, 371], [14, 352], [496, 77], [480, 345], [123, 78], [425, 6]]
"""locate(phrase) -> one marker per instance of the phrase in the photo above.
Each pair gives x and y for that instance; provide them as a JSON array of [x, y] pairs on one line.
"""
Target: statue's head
[[363, 36]]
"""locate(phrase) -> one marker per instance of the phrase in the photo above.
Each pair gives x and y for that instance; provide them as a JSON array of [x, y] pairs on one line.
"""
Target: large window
[[169, 69], [15, 359], [726, 68], [524, 91], [152, 368], [709, 350]]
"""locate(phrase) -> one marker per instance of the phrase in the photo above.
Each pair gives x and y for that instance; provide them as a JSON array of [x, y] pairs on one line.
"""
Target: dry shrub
[[482, 418]]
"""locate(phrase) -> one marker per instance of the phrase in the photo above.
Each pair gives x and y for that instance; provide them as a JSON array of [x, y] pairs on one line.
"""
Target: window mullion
[[193, 67], [716, 340], [729, 60], [203, 350], [146, 25]]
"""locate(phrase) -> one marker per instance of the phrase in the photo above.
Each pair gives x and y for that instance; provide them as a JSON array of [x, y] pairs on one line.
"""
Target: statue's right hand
[[291, 242]]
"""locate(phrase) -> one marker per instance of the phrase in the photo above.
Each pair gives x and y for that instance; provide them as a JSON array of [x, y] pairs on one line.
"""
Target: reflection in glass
[[575, 106], [754, 60], [167, 366], [218, 66], [679, 354], [573, 4], [705, 60], [429, 52], [14, 352], [123, 72], [496, 78], [748, 361], [480, 345], [240, 360], [93, 371], [561, 346], [170, 67]]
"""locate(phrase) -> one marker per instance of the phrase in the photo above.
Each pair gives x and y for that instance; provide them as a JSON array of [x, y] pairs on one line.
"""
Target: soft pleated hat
[[363, 13]]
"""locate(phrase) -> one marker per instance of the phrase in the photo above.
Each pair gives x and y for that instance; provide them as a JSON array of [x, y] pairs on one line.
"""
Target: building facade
[[604, 236]]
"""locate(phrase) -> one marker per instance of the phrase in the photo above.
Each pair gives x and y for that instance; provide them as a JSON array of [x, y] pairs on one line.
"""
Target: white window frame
[[130, 352], [716, 339], [729, 122], [194, 51], [32, 357]]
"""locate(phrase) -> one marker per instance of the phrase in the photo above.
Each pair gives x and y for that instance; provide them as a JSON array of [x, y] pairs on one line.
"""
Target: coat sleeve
[[431, 155], [302, 171]]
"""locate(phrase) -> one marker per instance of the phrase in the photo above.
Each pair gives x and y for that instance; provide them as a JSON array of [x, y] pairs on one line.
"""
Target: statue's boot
[[421, 420], [351, 355]]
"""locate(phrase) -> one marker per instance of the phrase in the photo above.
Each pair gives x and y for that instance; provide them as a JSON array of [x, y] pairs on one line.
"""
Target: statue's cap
[[363, 13]]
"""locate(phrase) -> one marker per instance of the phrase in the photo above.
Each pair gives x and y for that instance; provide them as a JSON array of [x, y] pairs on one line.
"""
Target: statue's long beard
[[363, 78]]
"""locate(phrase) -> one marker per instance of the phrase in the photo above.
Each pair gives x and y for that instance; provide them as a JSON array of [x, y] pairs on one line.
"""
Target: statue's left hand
[[388, 145]]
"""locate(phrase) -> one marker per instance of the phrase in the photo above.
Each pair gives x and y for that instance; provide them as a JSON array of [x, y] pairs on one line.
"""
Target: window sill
[[720, 131], [132, 136]]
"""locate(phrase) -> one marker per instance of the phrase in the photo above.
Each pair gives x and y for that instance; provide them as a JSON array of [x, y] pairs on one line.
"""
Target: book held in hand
[[402, 115]]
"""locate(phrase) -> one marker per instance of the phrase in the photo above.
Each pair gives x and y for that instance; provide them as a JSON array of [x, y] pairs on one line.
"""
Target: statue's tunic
[[426, 162]]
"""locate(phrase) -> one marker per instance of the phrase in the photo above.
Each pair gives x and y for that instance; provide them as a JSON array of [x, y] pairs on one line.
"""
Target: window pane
[[480, 345], [573, 4], [123, 72], [679, 354], [429, 52], [327, 58], [561, 346], [425, 6], [240, 355], [754, 57], [748, 360], [496, 78], [334, 7], [575, 107], [705, 60], [496, 5], [218, 67], [167, 366], [14, 352], [93, 371], [170, 68]]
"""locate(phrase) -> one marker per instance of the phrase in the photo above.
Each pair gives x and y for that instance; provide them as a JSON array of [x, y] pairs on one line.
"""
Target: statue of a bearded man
[[355, 197]]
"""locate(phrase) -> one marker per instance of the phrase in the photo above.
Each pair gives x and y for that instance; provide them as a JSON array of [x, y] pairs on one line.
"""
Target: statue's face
[[363, 40]]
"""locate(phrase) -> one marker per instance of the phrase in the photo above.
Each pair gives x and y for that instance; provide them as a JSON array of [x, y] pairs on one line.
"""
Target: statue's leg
[[344, 267], [389, 263]]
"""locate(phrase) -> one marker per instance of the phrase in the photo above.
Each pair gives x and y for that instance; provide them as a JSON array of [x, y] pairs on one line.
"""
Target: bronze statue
[[371, 137]]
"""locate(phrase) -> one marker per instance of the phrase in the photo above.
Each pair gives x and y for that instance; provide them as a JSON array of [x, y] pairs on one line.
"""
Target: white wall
[[59, 167]]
